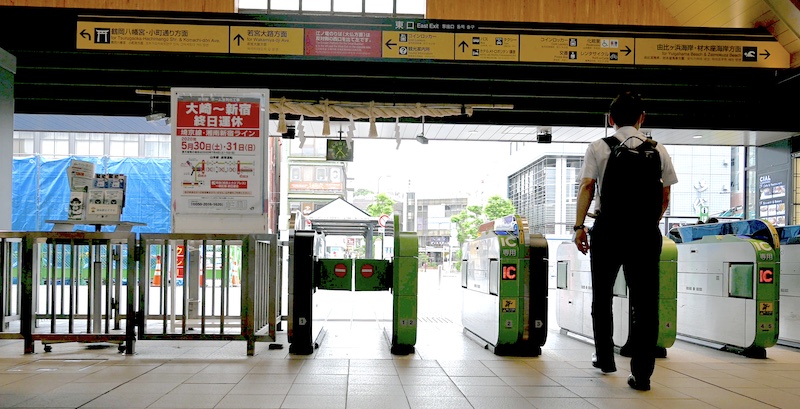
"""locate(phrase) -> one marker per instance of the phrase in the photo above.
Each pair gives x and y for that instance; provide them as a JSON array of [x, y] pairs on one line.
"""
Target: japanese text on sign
[[217, 154]]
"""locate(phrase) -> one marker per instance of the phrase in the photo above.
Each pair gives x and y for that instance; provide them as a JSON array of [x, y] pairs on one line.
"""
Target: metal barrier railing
[[10, 288], [83, 287], [70, 287], [209, 286]]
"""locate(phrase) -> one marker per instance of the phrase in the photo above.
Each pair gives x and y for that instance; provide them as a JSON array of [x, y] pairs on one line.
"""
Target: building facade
[[710, 180]]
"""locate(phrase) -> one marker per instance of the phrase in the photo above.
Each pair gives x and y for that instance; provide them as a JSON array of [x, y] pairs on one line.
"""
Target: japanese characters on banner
[[218, 151]]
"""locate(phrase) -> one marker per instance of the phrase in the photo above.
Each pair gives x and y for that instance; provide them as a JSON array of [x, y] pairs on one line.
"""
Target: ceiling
[[725, 106]]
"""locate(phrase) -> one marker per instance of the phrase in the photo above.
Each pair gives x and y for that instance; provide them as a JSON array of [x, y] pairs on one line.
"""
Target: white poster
[[218, 150]]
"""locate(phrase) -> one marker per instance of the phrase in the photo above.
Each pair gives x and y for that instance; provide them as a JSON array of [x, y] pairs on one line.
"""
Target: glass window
[[157, 146], [314, 147], [54, 144], [23, 143], [751, 197], [349, 6], [89, 144], [411, 7], [316, 5], [285, 5], [123, 145], [379, 6], [253, 4]]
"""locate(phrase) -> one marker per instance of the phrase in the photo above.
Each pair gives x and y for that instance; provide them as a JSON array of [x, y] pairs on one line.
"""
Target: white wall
[[8, 67]]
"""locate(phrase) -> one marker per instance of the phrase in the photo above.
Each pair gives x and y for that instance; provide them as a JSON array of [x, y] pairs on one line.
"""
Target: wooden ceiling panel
[[697, 13], [736, 14], [750, 16]]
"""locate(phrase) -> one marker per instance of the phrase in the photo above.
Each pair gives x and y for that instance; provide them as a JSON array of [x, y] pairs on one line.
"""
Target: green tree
[[467, 223], [362, 192], [383, 204], [422, 258], [498, 207]]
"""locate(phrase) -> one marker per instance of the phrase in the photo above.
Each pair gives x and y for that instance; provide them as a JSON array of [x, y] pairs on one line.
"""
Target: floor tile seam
[[233, 395], [707, 383], [732, 389], [131, 381]]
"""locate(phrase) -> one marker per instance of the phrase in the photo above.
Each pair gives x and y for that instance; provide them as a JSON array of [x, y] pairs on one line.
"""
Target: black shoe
[[605, 367], [639, 386]]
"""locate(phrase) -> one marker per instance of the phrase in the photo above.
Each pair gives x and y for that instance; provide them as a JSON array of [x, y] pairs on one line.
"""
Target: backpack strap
[[612, 141]]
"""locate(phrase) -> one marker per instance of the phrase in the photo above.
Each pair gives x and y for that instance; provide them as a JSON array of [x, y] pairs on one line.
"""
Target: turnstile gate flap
[[373, 275], [335, 274]]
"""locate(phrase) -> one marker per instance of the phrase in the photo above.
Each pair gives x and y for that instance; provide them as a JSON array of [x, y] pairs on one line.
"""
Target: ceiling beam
[[788, 12]]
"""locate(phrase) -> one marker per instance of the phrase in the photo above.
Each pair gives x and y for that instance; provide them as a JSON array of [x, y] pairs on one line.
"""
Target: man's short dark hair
[[626, 109]]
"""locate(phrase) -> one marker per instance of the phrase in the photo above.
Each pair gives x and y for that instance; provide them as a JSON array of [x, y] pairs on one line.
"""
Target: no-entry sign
[[367, 270], [340, 270]]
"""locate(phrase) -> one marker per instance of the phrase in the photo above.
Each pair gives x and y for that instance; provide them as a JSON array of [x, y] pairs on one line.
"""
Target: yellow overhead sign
[[711, 53], [576, 49], [417, 45], [361, 43], [487, 47], [267, 40], [108, 35]]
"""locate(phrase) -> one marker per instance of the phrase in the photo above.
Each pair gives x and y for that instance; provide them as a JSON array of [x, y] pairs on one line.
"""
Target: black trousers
[[638, 250]]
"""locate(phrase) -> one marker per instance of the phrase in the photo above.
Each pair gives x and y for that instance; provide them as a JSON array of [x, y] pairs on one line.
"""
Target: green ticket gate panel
[[504, 277], [668, 294], [404, 286], [373, 275], [667, 301], [335, 274]]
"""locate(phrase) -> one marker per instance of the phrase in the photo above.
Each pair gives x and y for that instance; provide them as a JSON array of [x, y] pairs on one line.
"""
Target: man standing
[[630, 201]]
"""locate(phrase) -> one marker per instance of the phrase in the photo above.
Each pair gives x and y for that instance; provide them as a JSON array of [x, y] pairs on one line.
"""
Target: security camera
[[155, 116], [290, 132]]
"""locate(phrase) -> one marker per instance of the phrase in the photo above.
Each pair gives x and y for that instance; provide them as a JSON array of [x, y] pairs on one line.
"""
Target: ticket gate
[[504, 281], [574, 292], [729, 285], [309, 273], [789, 317]]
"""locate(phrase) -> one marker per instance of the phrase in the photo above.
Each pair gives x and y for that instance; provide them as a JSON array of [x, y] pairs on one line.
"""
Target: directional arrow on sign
[[389, 44], [238, 39], [463, 46], [86, 35], [627, 50], [766, 54]]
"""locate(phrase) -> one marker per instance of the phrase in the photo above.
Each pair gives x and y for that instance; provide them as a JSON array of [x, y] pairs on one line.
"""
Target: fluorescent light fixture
[[422, 139], [697, 136], [155, 117]]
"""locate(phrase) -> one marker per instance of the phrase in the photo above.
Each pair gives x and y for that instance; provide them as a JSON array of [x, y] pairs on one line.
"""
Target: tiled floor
[[354, 369]]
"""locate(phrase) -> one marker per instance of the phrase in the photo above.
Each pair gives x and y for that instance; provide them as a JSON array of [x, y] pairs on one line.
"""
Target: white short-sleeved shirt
[[594, 163]]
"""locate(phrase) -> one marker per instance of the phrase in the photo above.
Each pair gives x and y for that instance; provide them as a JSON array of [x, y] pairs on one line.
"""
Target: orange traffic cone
[[157, 276], [235, 275]]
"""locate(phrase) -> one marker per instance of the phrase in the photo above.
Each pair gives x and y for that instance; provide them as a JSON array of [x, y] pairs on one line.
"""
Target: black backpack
[[632, 190]]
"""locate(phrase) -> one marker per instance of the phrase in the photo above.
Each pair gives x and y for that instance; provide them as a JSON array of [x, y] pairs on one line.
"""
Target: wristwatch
[[578, 227]]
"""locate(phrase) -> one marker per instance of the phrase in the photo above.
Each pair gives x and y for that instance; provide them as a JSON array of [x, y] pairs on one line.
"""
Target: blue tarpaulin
[[40, 191], [756, 229]]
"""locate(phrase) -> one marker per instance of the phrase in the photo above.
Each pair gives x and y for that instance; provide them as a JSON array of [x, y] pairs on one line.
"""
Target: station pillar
[[8, 68]]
